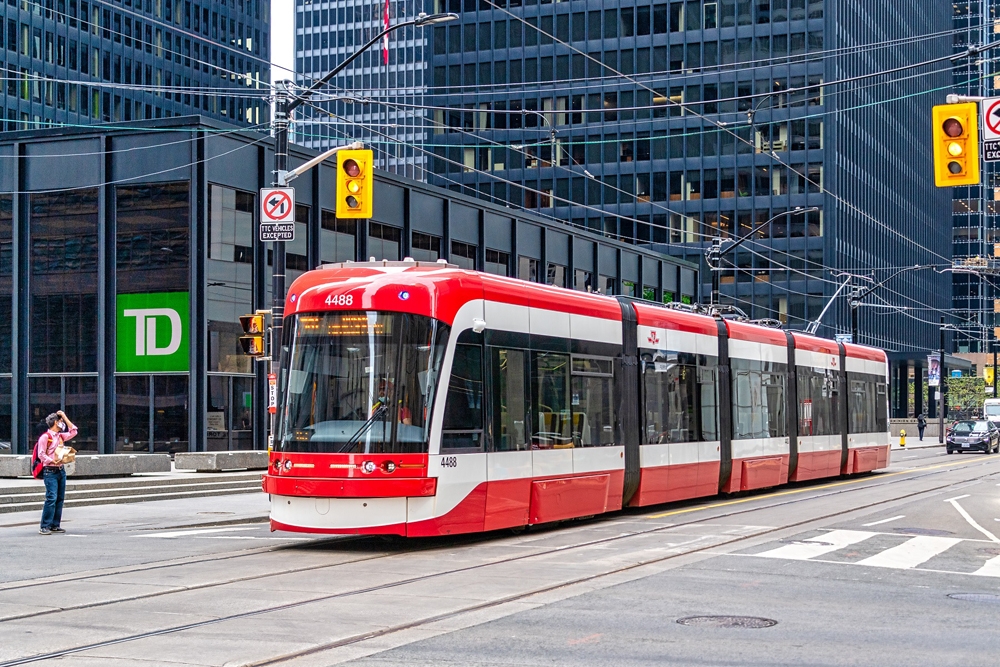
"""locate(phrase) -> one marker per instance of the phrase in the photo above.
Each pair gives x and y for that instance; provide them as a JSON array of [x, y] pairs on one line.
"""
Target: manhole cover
[[924, 531], [217, 513], [976, 597], [750, 622]]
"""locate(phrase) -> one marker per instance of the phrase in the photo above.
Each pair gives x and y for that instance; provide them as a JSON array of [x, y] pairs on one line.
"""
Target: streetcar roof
[[439, 290]]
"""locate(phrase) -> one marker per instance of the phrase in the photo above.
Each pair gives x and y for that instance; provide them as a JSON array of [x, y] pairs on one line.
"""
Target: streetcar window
[[758, 399], [550, 401], [591, 402], [680, 398], [819, 401], [360, 382], [463, 411], [869, 404], [509, 391]]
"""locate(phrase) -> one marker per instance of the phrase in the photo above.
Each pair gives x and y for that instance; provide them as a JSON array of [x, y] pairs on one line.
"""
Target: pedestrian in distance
[[921, 425], [51, 448]]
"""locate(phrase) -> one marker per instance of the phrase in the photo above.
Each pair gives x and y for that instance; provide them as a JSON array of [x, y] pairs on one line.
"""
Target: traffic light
[[956, 144], [355, 183], [253, 342]]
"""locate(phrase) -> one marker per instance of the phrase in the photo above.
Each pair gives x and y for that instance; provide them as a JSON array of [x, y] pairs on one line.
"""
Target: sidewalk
[[915, 443]]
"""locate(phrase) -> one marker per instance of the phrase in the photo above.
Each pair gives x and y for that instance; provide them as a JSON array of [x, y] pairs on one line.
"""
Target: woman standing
[[60, 430]]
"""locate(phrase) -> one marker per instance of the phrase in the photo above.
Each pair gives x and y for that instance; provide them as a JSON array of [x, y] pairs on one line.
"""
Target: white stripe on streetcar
[[876, 523], [911, 553], [818, 546]]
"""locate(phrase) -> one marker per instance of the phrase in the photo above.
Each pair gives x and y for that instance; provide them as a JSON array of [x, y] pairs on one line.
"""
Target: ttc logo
[[152, 332], [653, 338]]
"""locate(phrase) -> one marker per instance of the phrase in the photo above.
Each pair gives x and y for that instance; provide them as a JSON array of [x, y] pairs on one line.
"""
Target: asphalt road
[[898, 568]]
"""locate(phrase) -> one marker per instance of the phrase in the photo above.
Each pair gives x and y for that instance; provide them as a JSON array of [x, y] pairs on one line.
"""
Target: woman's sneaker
[[57, 529], [44, 531]]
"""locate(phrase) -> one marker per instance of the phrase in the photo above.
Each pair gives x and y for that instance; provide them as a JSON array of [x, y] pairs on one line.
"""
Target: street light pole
[[714, 253], [284, 104]]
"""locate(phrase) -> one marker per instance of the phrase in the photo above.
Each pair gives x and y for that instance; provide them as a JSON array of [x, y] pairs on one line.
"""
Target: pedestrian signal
[[253, 342], [355, 183], [956, 144]]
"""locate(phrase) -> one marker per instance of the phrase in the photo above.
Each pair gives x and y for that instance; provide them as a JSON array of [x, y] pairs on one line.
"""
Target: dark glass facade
[[632, 121], [128, 254], [77, 62]]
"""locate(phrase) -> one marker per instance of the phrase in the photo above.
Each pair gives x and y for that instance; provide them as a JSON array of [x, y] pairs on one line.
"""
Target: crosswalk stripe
[[990, 569], [911, 553], [818, 546]]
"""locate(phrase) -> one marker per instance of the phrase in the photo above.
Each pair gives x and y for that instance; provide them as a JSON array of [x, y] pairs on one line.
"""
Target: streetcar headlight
[[368, 467], [288, 465], [389, 467]]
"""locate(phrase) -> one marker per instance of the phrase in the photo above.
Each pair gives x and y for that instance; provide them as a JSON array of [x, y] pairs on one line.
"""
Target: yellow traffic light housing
[[355, 183], [253, 342], [956, 144]]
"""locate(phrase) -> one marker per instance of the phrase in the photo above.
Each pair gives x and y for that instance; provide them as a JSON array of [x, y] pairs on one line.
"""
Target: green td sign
[[152, 332]]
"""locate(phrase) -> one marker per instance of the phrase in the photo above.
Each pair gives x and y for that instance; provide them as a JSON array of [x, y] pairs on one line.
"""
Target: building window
[[583, 281], [425, 247], [527, 269], [555, 274], [337, 239], [384, 241], [497, 262], [463, 255], [230, 276]]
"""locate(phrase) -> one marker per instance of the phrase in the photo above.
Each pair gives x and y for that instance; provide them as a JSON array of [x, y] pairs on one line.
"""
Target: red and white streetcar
[[421, 399]]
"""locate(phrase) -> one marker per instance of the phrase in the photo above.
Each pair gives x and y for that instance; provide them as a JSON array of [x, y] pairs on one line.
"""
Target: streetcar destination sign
[[277, 214]]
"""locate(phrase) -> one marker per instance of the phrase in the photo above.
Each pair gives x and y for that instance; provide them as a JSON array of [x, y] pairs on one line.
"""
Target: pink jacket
[[47, 443]]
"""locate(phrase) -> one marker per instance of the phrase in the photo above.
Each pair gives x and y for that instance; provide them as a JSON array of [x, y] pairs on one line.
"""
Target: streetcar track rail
[[928, 471]]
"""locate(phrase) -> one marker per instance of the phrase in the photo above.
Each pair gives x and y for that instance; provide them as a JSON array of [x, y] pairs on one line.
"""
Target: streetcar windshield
[[360, 382]]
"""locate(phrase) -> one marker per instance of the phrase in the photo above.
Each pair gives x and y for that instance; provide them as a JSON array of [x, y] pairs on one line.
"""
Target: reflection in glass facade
[[79, 63]]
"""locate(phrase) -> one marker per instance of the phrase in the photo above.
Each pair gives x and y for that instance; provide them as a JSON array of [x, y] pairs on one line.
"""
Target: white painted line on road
[[203, 531], [818, 546], [993, 573], [971, 521], [906, 458], [250, 537], [990, 569], [875, 523], [948, 500], [911, 553]]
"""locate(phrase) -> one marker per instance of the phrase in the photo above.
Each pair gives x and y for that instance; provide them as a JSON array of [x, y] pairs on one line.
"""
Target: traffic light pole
[[941, 387], [284, 104]]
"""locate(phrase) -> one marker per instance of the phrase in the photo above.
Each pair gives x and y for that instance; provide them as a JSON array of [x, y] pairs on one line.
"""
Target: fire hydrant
[[902, 437]]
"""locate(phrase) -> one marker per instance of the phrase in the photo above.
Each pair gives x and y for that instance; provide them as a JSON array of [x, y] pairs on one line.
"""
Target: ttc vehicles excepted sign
[[277, 214]]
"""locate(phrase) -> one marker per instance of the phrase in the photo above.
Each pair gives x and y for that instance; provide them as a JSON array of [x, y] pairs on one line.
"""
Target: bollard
[[902, 437]]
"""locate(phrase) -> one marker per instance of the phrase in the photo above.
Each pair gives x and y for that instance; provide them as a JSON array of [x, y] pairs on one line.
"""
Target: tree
[[965, 394]]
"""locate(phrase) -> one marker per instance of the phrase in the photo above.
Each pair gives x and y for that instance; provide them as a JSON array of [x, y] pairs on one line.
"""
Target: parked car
[[968, 435]]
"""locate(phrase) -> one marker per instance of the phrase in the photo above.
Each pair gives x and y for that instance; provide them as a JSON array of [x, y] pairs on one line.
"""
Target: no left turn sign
[[277, 205], [991, 118]]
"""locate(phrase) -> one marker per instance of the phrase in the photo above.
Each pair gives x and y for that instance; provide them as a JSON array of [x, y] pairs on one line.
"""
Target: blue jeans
[[55, 494]]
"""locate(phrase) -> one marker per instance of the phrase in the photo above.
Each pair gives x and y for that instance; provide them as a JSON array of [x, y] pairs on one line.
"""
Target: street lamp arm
[[421, 20], [743, 239], [874, 287], [286, 177]]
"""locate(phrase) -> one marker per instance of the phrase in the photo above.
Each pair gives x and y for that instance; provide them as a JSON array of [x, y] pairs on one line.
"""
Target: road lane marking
[[818, 546], [821, 487], [203, 531], [911, 553], [956, 498], [990, 569], [875, 523], [993, 573], [970, 520]]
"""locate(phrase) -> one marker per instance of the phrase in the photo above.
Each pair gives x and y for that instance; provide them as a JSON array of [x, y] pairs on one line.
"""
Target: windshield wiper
[[355, 439]]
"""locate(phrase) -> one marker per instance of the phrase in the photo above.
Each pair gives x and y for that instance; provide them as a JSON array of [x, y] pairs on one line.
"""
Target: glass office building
[[128, 254], [81, 62], [631, 121]]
